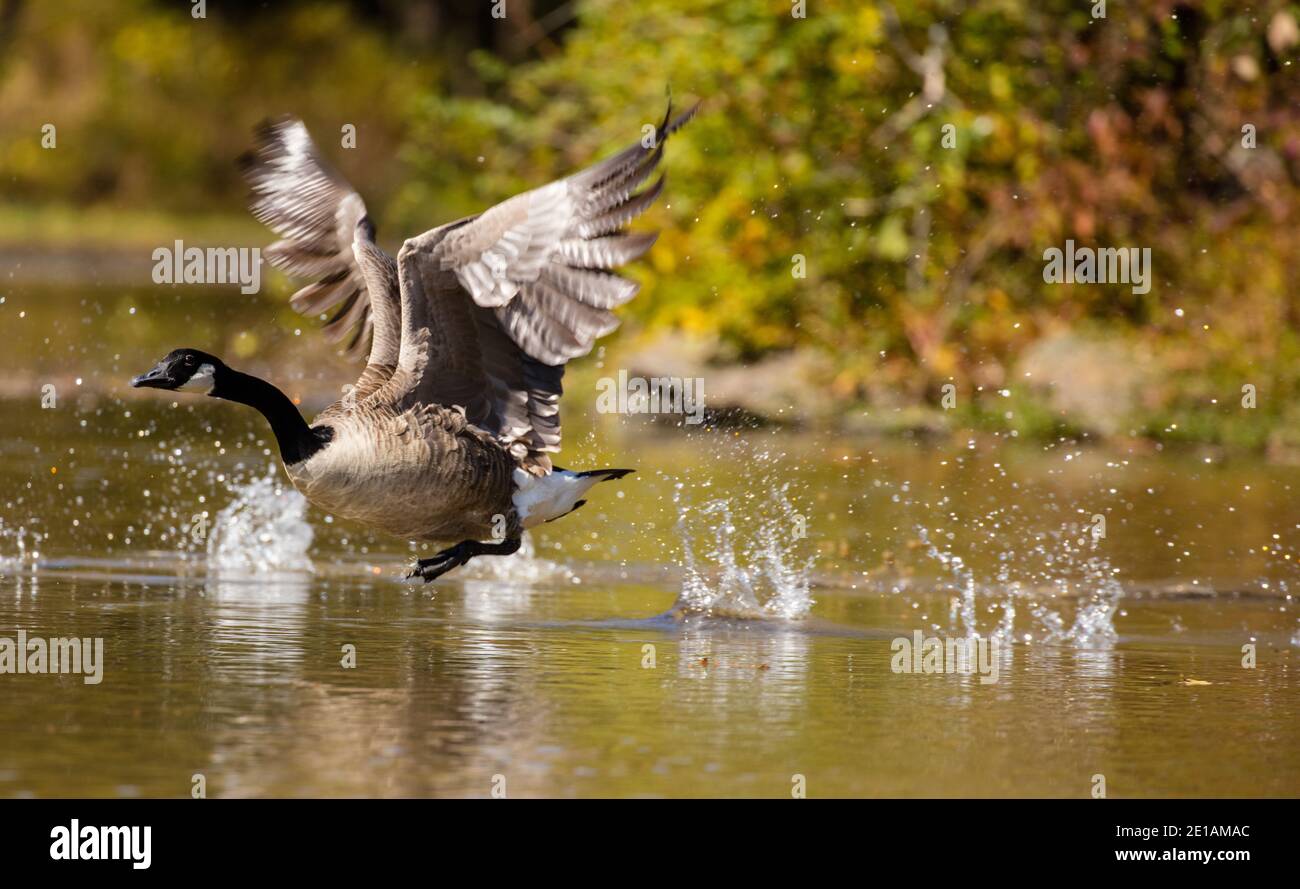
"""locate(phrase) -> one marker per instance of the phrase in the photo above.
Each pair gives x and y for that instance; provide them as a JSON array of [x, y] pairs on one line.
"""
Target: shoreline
[[787, 389]]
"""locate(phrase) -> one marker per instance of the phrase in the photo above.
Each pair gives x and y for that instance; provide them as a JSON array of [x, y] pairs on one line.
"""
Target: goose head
[[187, 370], [193, 371]]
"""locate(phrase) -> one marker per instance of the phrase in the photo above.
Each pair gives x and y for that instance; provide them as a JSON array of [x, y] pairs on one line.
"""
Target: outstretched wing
[[518, 291], [315, 212]]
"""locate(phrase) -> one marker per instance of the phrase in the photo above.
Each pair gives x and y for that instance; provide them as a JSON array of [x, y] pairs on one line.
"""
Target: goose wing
[[315, 212], [513, 294]]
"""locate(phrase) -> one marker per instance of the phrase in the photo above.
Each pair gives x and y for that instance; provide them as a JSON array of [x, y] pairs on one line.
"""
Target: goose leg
[[435, 566]]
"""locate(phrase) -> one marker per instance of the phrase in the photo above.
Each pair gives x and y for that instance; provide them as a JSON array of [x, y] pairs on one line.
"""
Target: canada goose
[[447, 432]]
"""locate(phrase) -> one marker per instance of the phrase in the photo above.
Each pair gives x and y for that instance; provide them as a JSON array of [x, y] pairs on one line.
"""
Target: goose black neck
[[296, 439]]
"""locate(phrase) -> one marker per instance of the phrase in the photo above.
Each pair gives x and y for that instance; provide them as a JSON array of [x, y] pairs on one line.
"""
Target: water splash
[[264, 530], [1056, 566], [765, 579], [19, 549], [523, 567]]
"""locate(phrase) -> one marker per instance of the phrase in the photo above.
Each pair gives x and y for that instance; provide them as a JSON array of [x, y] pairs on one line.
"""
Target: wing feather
[[535, 273], [314, 210]]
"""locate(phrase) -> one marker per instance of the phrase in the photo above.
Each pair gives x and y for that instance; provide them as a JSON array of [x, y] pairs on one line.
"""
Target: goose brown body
[[423, 473]]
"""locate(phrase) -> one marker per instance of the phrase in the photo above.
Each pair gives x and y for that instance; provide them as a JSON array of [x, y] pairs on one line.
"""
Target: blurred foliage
[[151, 106], [821, 137]]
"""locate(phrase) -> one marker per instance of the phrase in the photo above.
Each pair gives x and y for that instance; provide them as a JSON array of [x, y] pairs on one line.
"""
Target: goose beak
[[158, 378]]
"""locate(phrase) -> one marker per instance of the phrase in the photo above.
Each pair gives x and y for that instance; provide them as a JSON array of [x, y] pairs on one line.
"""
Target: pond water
[[724, 622]]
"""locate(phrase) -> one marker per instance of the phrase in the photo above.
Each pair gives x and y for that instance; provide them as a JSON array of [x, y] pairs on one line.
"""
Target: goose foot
[[440, 563]]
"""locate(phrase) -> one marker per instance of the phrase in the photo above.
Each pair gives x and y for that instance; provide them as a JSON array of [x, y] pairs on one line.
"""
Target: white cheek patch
[[202, 380]]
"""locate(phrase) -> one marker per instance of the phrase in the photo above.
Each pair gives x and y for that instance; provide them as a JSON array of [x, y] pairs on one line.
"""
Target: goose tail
[[549, 497], [605, 475]]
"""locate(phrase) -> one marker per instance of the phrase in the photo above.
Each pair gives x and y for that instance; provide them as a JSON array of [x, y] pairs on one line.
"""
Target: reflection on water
[[498, 589], [642, 652], [244, 682], [244, 612], [716, 624]]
